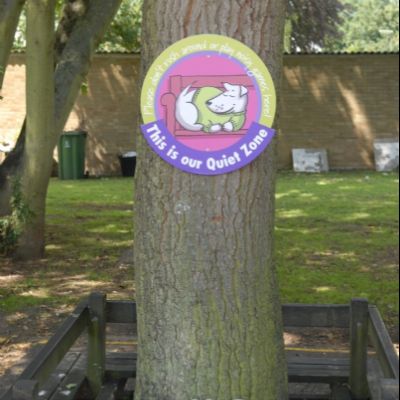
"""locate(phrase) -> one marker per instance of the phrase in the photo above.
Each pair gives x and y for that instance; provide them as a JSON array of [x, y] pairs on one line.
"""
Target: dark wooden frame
[[376, 379]]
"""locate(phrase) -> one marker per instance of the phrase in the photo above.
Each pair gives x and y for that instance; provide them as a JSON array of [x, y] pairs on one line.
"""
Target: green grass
[[336, 238], [89, 219], [89, 225]]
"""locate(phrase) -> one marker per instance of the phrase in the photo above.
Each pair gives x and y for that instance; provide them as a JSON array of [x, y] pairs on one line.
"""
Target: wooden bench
[[57, 373]]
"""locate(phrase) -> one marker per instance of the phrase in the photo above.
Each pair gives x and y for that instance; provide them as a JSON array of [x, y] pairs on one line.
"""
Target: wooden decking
[[317, 368], [97, 370]]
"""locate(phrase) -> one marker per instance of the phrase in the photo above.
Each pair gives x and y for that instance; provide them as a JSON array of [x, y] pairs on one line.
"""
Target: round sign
[[208, 104]]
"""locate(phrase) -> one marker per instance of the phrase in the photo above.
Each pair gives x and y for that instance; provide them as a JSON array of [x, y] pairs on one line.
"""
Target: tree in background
[[9, 16], [38, 150], [209, 318], [311, 23], [79, 32], [123, 35], [368, 25], [124, 32]]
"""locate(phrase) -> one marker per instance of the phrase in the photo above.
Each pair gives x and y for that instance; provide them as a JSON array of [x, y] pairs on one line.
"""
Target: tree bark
[[208, 304], [79, 33], [77, 52], [10, 11], [40, 125]]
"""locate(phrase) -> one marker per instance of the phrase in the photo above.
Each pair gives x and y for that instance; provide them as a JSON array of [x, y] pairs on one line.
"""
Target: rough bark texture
[[77, 51], [10, 11], [208, 304], [38, 149], [80, 31]]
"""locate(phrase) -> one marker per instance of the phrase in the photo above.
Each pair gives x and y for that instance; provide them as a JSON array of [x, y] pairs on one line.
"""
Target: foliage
[[368, 25], [122, 36], [124, 32], [20, 35], [310, 23], [11, 225]]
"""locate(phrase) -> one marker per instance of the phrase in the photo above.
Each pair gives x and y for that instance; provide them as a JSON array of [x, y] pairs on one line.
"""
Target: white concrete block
[[310, 160], [386, 155]]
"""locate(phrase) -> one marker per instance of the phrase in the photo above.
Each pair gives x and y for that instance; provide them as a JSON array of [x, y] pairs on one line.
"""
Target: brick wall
[[341, 103], [108, 112]]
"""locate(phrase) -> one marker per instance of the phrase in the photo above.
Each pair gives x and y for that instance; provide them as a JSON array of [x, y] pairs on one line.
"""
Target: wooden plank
[[380, 339], [96, 342], [374, 379], [70, 386], [294, 396], [359, 349], [340, 392], [314, 359], [318, 316], [312, 376], [25, 389], [390, 389], [317, 370], [121, 312], [56, 348], [120, 366], [55, 379], [129, 387], [107, 391], [294, 315]]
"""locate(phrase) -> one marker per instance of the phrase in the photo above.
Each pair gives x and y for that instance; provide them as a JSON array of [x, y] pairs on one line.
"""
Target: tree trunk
[[208, 304], [76, 56], [79, 33], [39, 124], [10, 11], [80, 30]]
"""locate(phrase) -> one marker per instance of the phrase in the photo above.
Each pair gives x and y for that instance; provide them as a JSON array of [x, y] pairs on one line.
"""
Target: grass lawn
[[89, 225], [336, 238]]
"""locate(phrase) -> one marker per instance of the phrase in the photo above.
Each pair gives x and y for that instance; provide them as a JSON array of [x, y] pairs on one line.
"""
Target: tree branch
[[81, 28], [10, 11]]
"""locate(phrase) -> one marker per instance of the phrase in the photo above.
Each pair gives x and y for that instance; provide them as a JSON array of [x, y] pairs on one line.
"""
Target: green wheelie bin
[[71, 155]]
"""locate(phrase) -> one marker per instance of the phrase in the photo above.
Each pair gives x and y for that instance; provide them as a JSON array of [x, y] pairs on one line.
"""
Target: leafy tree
[[369, 25], [311, 23], [9, 15], [124, 32], [80, 29]]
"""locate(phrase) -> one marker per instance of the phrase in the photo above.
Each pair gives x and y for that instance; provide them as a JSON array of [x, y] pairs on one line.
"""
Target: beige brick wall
[[12, 105], [107, 111], [341, 103]]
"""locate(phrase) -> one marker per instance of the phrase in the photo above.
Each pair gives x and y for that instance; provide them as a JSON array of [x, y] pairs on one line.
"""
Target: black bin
[[128, 163]]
